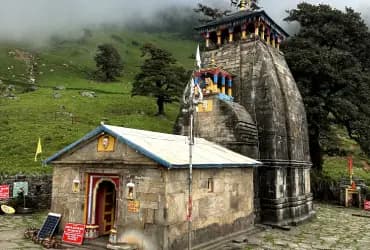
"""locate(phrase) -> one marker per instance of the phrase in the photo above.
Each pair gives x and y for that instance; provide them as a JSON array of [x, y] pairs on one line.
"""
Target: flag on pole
[[197, 58], [38, 149]]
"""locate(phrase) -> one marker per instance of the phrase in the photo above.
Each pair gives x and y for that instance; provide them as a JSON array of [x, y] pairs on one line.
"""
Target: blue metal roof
[[171, 151]]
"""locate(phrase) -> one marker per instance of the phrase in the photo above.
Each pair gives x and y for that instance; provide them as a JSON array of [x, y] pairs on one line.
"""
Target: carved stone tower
[[271, 112]]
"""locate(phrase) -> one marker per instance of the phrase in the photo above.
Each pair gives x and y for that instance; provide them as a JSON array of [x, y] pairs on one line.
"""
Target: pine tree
[[159, 77], [108, 62]]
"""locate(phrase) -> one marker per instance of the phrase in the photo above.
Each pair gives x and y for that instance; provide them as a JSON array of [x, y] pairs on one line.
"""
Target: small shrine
[[129, 184], [242, 25], [214, 81]]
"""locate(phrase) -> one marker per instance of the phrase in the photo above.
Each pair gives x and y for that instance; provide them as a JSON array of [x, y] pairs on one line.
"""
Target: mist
[[38, 20]]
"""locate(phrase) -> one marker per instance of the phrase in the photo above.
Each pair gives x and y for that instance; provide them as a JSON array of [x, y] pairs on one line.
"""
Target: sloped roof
[[240, 17], [171, 151]]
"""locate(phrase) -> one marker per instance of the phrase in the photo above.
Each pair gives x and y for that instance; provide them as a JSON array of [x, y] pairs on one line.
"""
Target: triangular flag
[[197, 58], [38, 149]]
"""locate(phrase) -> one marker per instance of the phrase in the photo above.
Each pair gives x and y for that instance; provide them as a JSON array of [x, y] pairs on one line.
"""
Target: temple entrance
[[105, 207]]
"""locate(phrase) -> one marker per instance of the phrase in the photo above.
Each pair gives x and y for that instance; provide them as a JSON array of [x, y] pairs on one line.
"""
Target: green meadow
[[59, 117]]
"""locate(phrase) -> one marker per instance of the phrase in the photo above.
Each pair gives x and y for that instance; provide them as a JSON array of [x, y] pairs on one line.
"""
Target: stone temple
[[252, 105]]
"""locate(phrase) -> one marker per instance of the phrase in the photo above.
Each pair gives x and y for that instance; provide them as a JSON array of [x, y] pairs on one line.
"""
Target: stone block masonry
[[267, 121], [39, 189]]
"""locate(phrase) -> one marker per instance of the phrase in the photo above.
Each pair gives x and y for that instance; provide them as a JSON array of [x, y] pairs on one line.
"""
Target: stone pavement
[[12, 228], [334, 228]]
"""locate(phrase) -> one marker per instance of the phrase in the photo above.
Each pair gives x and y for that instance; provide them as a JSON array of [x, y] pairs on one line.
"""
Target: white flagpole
[[192, 102]]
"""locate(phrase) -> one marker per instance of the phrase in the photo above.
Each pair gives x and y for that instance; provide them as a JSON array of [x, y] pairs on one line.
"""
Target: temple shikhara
[[252, 105], [251, 157]]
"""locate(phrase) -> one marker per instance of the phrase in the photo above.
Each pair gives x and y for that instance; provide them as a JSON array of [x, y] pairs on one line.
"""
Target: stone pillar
[[230, 85], [244, 31], [207, 40], [215, 80], [223, 84], [278, 43], [231, 34], [268, 35], [263, 32], [256, 28], [219, 38], [273, 41]]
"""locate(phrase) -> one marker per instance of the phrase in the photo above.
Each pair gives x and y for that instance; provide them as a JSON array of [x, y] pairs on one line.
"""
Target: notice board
[[18, 187], [4, 191], [50, 225], [367, 205], [133, 206], [74, 233]]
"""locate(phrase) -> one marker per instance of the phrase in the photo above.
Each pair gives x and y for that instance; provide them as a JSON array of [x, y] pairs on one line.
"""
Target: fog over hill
[[37, 20]]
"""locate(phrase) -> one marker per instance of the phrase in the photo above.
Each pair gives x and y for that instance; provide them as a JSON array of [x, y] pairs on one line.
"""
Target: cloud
[[40, 19]]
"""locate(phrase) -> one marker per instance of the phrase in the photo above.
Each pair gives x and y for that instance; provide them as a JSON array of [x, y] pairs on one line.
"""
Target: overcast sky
[[38, 19]]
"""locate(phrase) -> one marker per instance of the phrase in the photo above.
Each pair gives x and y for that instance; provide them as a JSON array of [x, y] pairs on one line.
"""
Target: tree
[[330, 60], [210, 13], [109, 63], [215, 13], [159, 77]]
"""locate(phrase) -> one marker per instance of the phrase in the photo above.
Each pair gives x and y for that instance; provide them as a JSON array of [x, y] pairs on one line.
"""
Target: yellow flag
[[38, 149]]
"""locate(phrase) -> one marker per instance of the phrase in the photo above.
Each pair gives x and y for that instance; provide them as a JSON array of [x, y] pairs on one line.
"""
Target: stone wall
[[227, 124], [225, 209], [39, 189], [163, 196]]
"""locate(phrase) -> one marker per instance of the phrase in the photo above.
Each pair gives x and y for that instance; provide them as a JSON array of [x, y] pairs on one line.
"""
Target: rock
[[32, 88], [11, 96], [60, 87], [57, 95], [90, 94], [10, 88]]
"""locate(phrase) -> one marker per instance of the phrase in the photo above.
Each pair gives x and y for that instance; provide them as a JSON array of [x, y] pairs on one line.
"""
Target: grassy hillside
[[335, 165], [60, 121]]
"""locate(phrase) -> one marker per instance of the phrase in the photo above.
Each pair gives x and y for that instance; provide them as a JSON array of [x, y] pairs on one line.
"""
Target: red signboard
[[367, 205], [4, 191], [74, 233]]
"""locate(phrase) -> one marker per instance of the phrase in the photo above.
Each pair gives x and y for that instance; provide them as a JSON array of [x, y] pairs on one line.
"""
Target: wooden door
[[105, 209]]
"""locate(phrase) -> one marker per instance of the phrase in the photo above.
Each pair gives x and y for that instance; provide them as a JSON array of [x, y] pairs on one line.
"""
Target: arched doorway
[[105, 207]]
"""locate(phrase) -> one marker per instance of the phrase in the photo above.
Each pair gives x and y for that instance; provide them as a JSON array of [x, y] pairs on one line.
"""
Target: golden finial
[[243, 5]]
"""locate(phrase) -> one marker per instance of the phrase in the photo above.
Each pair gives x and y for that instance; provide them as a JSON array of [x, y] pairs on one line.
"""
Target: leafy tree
[[330, 59], [109, 63], [209, 12], [215, 13], [159, 77]]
